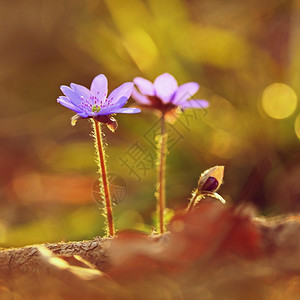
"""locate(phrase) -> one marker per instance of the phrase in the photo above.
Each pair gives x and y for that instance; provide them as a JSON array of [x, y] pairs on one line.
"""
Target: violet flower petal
[[106, 111], [99, 87], [145, 86], [68, 104], [165, 86], [73, 97], [139, 98], [123, 90], [84, 114], [185, 91], [110, 109], [127, 110], [121, 102], [194, 104], [81, 91]]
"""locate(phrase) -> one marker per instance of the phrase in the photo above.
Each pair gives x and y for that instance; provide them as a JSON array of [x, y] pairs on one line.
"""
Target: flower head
[[211, 179], [94, 103], [165, 94]]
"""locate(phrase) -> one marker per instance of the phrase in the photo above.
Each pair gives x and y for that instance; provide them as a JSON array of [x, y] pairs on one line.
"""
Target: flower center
[[94, 104], [96, 108]]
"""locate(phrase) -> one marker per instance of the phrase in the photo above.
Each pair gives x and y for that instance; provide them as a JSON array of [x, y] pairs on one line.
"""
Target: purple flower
[[94, 103], [165, 94]]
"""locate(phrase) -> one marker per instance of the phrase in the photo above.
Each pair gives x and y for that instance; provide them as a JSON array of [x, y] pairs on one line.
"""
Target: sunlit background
[[244, 54]]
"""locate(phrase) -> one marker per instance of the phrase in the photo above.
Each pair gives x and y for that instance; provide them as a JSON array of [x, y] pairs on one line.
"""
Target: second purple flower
[[165, 95]]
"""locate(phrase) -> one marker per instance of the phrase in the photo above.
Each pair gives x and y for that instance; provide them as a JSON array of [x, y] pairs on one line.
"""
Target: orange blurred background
[[244, 54]]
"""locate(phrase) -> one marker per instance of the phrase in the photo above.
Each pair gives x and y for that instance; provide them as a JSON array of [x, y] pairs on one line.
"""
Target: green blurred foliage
[[234, 49]]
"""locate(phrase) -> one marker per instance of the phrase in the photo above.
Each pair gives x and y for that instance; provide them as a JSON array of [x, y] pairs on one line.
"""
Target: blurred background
[[246, 57]]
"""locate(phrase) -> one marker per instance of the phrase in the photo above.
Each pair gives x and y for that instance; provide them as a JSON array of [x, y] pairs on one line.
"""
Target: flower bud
[[210, 180]]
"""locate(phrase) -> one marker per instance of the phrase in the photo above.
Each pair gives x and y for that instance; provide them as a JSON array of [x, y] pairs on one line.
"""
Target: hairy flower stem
[[195, 198], [161, 170], [102, 170]]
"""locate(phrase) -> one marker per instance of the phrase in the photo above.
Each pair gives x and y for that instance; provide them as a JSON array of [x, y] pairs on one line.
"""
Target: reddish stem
[[102, 169], [161, 196]]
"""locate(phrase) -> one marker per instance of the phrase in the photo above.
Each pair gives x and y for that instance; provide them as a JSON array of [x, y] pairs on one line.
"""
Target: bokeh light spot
[[279, 101], [297, 126]]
